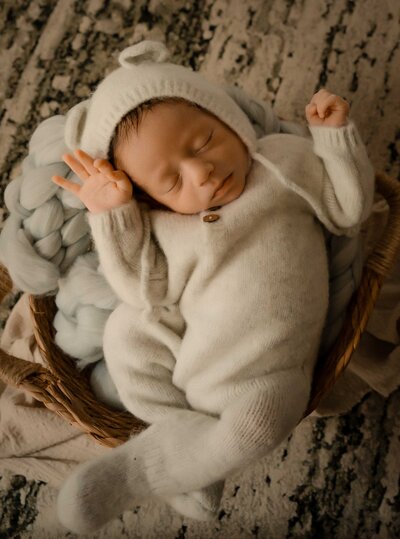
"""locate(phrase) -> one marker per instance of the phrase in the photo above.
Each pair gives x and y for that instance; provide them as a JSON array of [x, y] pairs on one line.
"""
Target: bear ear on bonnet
[[145, 51], [134, 55]]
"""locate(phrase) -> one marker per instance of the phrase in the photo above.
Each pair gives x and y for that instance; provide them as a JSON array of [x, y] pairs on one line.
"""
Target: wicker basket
[[66, 391]]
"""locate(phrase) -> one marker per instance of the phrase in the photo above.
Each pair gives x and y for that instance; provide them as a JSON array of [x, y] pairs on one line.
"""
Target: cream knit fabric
[[216, 307]]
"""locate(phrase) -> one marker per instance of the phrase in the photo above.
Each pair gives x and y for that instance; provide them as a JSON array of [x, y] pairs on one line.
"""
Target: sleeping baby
[[213, 241]]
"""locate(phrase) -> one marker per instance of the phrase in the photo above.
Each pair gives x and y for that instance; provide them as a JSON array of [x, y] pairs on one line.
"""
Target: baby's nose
[[198, 171]]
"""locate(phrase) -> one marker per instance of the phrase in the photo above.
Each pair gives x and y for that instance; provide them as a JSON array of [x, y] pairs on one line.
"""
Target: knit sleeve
[[348, 188], [130, 258]]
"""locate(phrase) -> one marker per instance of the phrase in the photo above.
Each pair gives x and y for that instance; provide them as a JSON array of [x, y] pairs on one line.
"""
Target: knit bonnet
[[146, 73]]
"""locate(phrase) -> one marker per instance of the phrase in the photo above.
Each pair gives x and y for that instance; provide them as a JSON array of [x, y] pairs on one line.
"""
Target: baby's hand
[[327, 109], [103, 187]]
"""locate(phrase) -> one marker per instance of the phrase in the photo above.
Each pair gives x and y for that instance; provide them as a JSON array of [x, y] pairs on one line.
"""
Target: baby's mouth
[[221, 186]]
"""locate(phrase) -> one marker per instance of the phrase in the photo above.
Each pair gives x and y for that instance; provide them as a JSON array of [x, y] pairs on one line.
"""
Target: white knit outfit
[[213, 311], [215, 342]]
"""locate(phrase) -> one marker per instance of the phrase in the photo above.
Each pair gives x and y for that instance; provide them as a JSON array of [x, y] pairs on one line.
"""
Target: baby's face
[[185, 158]]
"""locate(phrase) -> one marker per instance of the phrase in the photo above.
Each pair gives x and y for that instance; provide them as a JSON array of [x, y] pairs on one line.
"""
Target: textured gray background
[[334, 478]]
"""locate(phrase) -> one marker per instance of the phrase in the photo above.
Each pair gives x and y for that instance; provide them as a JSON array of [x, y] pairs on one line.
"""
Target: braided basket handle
[[19, 372], [383, 257], [376, 268], [5, 283]]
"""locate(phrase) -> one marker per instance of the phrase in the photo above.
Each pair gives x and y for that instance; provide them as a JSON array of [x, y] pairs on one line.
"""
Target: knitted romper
[[216, 338]]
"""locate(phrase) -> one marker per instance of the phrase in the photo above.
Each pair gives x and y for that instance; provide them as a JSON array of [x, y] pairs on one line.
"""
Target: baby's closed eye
[[206, 142], [177, 183]]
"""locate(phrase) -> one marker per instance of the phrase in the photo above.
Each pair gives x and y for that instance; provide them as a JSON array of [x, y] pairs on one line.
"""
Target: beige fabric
[[34, 441], [37, 443]]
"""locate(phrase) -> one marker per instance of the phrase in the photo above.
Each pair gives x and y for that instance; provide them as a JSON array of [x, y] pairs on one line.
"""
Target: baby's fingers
[[122, 181], [324, 106], [326, 103], [86, 160], [75, 165], [65, 184], [81, 163], [104, 166], [311, 109]]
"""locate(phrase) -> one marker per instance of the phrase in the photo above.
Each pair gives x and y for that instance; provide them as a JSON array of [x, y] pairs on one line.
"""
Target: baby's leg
[[140, 356], [142, 367], [140, 360], [187, 451]]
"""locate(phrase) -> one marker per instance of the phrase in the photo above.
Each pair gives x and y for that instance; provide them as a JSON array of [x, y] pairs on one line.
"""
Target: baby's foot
[[200, 504], [97, 492]]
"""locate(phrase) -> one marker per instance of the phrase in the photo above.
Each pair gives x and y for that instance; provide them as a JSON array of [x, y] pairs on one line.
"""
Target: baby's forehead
[[184, 115]]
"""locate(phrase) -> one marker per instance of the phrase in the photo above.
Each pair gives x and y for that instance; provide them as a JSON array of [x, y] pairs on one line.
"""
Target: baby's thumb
[[311, 109], [123, 182]]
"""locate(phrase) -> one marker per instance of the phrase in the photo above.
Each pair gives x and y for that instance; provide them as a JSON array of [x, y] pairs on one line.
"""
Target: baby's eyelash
[[179, 178], [207, 141]]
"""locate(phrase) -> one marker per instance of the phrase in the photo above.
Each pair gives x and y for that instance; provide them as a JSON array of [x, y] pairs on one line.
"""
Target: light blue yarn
[[47, 229]]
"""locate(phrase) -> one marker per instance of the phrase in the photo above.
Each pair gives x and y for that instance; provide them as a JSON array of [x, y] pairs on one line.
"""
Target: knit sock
[[184, 453], [100, 490]]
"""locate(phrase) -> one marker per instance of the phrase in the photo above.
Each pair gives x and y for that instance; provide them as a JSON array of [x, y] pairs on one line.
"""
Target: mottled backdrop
[[334, 478]]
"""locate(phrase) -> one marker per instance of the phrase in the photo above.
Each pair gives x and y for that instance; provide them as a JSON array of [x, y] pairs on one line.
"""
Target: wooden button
[[210, 218]]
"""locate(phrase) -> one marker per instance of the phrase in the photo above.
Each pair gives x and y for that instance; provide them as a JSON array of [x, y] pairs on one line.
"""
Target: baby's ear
[[75, 124], [145, 51]]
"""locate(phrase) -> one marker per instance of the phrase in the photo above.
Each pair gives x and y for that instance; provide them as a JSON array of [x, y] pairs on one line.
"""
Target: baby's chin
[[233, 194]]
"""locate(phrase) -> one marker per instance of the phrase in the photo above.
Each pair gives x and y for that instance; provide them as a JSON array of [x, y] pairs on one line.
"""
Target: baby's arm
[[128, 255], [349, 190]]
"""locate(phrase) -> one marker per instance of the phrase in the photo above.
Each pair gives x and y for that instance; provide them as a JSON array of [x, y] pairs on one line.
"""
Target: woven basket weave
[[66, 391]]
